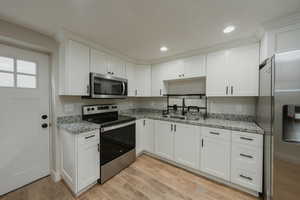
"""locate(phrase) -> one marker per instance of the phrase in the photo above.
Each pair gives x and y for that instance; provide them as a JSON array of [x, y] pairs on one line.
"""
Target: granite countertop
[[235, 125], [75, 124]]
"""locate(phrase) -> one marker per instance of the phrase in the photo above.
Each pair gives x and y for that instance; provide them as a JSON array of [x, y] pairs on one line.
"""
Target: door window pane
[[6, 79], [25, 81], [6, 64], [26, 67]]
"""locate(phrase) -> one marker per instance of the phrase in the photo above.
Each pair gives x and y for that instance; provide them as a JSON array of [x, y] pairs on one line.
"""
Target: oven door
[[116, 140], [106, 86]]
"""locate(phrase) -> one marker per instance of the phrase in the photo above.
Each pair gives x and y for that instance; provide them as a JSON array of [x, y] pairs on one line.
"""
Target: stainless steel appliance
[[117, 138], [278, 113], [107, 86]]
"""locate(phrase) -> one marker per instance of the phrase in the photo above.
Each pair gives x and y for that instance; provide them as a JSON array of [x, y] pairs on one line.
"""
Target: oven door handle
[[109, 128]]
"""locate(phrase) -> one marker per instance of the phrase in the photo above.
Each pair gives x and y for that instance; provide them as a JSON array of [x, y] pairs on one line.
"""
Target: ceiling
[[138, 28]]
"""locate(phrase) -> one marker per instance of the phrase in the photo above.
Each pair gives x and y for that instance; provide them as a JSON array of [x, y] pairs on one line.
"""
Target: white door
[[157, 76], [187, 145], [216, 157], [194, 66], [164, 139], [24, 144]]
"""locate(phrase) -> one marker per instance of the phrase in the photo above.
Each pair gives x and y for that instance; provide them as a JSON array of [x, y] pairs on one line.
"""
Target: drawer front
[[246, 157], [216, 133], [248, 179], [88, 137], [247, 138]]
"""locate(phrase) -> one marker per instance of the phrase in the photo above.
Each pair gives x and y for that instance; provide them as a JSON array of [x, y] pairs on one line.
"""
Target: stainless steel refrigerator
[[278, 113]]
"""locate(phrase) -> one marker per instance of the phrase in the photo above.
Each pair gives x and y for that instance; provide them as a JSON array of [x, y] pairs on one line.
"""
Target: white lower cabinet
[[187, 145], [233, 156], [144, 136], [80, 165], [215, 157], [246, 160], [164, 139]]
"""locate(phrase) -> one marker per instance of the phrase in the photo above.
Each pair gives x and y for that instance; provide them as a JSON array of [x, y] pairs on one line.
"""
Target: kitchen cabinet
[[187, 145], [158, 86], [194, 66], [80, 159], [116, 67], [164, 139], [233, 72], [215, 153], [99, 62], [144, 136], [247, 160], [74, 68], [139, 80]]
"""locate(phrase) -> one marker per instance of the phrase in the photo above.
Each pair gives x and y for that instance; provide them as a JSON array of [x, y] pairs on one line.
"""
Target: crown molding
[[279, 22]]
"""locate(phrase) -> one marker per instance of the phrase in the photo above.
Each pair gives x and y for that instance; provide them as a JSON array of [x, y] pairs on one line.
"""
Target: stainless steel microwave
[[107, 86]]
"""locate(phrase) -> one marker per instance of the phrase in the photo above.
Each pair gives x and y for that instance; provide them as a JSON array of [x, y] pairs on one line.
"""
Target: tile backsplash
[[219, 105]]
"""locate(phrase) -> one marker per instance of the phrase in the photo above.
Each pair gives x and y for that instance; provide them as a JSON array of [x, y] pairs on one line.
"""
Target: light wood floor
[[146, 179]]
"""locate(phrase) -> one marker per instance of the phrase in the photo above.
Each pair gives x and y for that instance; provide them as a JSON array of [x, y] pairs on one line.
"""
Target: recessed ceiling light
[[229, 29], [164, 49]]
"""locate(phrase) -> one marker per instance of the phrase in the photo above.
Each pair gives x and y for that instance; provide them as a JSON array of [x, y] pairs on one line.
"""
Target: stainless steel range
[[117, 138]]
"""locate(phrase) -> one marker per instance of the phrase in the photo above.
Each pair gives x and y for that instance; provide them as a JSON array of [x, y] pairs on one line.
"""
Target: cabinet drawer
[[246, 178], [88, 137], [216, 133], [245, 157], [247, 138]]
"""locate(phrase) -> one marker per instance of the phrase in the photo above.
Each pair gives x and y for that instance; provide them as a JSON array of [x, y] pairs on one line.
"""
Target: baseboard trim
[[55, 176]]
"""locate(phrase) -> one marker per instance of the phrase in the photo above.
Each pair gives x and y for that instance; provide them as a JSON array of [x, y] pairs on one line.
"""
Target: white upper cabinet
[[139, 80], [173, 70], [75, 68], [288, 40], [116, 67], [216, 81], [158, 87], [233, 72], [98, 62], [194, 66]]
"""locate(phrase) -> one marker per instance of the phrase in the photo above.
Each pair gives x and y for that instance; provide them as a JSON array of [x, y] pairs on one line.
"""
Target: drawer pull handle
[[88, 137], [245, 155], [246, 177], [214, 133], [245, 138]]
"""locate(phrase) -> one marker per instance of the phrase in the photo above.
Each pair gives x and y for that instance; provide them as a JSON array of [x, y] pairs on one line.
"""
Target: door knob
[[44, 125], [44, 116]]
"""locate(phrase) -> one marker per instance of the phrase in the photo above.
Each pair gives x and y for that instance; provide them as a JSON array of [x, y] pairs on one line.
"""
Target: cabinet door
[[164, 140], [131, 77], [157, 83], [88, 164], [217, 74], [116, 67], [173, 70], [186, 145], [195, 66], [78, 68], [143, 80], [139, 127], [243, 64], [98, 62], [216, 157], [148, 135]]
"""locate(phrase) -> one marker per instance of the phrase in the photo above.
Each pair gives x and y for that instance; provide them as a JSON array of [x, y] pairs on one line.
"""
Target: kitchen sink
[[181, 117]]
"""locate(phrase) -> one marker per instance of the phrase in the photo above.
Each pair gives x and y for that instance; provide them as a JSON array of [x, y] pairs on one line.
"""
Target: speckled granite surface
[[245, 126], [75, 124]]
